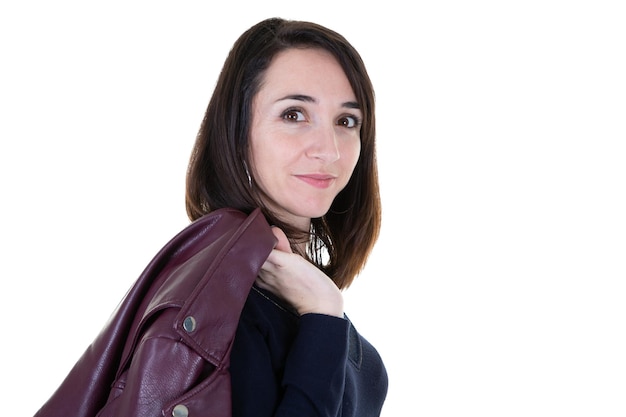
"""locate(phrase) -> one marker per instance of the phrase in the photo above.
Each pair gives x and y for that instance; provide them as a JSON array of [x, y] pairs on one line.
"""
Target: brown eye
[[293, 115], [348, 121]]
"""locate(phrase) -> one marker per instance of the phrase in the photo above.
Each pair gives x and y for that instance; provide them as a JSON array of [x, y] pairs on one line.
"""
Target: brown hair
[[217, 176]]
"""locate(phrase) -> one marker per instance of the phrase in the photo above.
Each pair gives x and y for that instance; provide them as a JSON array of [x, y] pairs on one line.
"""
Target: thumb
[[283, 242]]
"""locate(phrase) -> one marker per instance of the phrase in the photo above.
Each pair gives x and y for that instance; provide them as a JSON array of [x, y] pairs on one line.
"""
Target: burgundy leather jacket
[[165, 351]]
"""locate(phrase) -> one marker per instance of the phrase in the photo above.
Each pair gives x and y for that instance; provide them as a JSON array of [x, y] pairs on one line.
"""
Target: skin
[[304, 145]]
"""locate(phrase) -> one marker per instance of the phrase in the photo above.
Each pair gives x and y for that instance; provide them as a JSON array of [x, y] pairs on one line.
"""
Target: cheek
[[257, 163], [259, 148], [260, 169], [269, 163], [350, 154]]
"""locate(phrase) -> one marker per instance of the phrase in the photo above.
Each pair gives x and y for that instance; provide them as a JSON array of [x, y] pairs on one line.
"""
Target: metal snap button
[[189, 324], [180, 411]]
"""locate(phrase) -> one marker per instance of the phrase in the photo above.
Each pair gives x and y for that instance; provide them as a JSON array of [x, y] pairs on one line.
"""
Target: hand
[[298, 282]]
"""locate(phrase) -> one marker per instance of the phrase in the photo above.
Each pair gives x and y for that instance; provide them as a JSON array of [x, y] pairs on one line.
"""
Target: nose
[[323, 144]]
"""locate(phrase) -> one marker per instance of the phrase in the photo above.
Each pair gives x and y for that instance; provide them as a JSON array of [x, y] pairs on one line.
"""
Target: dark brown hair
[[217, 176]]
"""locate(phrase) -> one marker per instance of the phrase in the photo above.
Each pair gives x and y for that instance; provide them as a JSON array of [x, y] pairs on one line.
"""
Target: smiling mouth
[[317, 181]]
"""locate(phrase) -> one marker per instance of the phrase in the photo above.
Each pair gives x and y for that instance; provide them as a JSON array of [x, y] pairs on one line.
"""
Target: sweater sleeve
[[306, 379], [315, 370]]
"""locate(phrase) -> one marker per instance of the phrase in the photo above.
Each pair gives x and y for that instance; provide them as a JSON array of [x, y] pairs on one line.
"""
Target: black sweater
[[313, 365]]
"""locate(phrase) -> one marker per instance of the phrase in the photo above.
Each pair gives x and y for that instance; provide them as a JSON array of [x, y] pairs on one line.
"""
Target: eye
[[349, 121], [293, 115]]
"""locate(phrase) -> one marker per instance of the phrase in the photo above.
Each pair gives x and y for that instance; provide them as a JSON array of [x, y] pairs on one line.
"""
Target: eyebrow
[[309, 99]]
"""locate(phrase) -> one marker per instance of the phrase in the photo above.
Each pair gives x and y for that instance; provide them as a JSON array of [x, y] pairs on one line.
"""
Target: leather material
[[167, 345]]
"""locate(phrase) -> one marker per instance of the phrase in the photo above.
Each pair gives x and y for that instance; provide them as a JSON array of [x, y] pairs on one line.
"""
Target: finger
[[261, 283], [276, 259], [283, 242]]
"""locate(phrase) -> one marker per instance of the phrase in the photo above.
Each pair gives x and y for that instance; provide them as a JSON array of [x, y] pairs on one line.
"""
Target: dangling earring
[[247, 173]]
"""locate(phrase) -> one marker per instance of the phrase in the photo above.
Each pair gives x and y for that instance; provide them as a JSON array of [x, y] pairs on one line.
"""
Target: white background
[[497, 286]]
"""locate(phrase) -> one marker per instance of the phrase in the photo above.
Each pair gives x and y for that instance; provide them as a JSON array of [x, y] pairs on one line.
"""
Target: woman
[[290, 128], [288, 138]]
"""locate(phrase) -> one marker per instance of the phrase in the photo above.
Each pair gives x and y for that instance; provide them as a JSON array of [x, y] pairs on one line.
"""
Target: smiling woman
[[289, 133], [304, 146]]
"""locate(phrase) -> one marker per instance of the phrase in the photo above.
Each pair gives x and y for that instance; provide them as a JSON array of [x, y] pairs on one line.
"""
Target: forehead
[[312, 69], [304, 54]]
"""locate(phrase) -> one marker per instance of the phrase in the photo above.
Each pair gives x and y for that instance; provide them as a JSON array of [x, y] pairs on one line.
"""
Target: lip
[[317, 180]]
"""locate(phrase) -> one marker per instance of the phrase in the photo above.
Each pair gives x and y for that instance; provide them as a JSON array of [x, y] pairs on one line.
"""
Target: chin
[[317, 213], [313, 212]]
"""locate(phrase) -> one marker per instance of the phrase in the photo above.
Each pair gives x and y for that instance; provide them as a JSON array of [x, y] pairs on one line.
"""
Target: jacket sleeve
[[309, 377]]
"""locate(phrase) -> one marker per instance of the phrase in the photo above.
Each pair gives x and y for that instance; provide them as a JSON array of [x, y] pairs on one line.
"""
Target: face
[[305, 134]]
